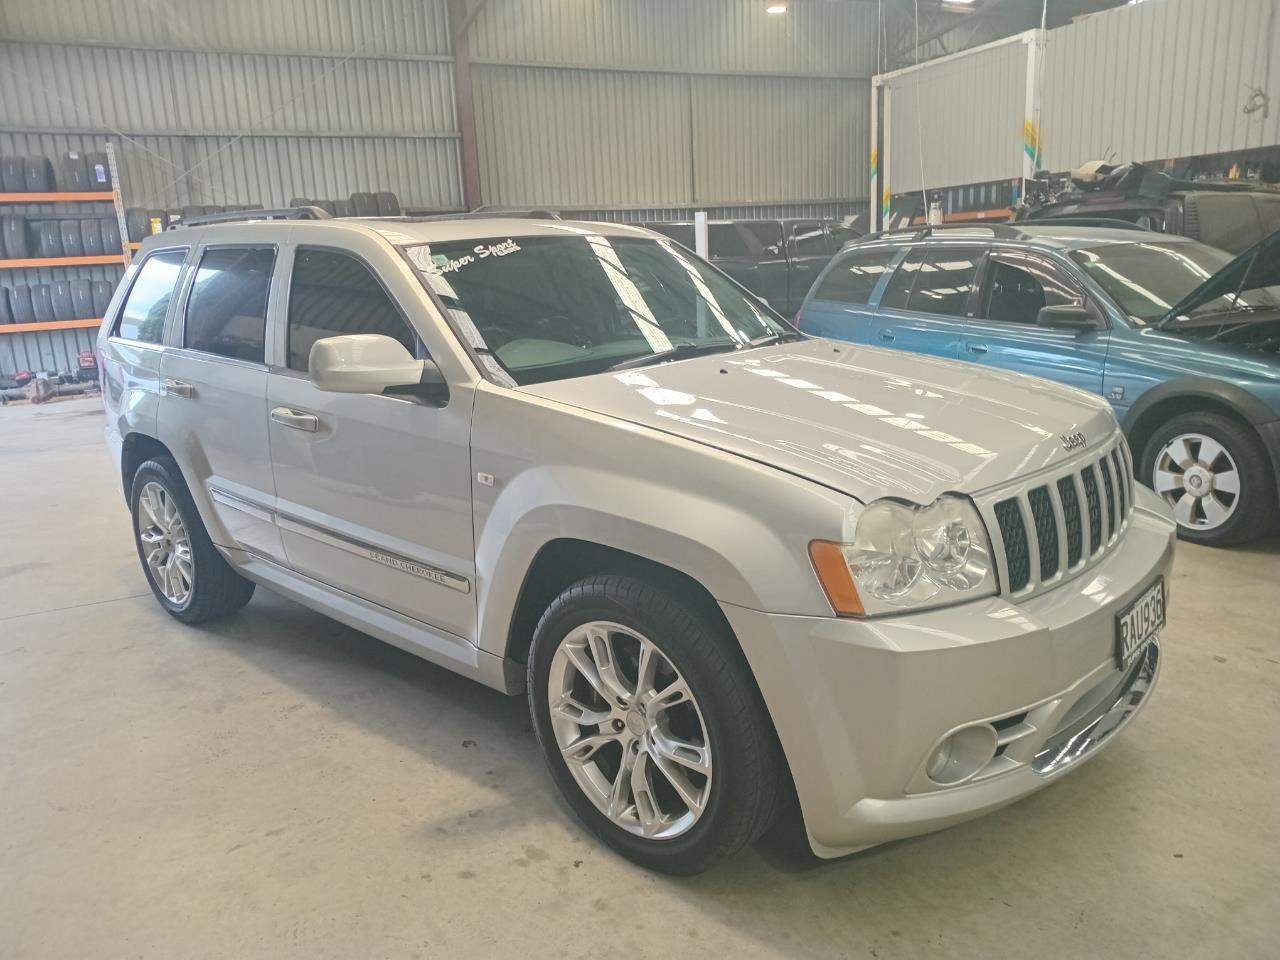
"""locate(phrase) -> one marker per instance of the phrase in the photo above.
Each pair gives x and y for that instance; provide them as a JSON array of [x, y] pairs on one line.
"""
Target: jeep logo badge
[[1073, 441]]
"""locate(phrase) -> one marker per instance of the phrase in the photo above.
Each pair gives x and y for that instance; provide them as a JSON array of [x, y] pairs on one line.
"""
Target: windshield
[[548, 308], [1147, 279]]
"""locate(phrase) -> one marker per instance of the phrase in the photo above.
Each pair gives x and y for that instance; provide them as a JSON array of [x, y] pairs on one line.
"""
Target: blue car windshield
[[1146, 279], [548, 308]]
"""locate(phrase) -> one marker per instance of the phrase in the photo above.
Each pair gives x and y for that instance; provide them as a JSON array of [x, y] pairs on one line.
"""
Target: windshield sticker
[[467, 327], [395, 236], [439, 264]]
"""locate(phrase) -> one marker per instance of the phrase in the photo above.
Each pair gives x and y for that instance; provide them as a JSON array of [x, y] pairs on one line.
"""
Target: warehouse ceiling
[[948, 26]]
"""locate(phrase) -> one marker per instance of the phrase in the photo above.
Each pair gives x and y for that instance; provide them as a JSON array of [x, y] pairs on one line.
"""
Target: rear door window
[[854, 278], [944, 280], [810, 239], [144, 310], [227, 307], [903, 279], [1018, 287]]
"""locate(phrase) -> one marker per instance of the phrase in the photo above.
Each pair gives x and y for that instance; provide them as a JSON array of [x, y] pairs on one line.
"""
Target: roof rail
[[241, 216], [1112, 223]]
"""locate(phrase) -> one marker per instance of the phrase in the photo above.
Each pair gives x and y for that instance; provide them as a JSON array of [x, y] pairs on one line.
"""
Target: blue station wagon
[[1181, 338]]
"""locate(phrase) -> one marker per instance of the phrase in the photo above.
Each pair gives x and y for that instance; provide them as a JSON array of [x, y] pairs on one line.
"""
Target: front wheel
[[1215, 475], [652, 725]]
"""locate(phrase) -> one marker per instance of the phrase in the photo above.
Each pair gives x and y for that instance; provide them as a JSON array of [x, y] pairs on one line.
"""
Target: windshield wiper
[[680, 351], [787, 336]]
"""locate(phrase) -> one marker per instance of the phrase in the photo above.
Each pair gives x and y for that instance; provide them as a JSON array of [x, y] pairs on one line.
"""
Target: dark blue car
[[1181, 338]]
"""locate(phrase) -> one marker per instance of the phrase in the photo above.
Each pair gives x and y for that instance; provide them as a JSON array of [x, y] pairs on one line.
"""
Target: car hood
[[865, 421], [1257, 267]]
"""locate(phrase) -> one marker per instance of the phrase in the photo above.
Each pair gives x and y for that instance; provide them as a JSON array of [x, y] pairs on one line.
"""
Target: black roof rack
[[240, 216], [1113, 223]]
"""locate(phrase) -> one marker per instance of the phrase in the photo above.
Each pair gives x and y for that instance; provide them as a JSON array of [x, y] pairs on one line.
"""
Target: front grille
[[1042, 526]]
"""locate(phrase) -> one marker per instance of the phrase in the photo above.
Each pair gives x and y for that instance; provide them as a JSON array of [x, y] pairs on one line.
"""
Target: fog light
[[962, 754]]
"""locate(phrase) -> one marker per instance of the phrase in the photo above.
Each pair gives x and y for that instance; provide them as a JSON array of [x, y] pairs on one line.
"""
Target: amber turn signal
[[833, 573]]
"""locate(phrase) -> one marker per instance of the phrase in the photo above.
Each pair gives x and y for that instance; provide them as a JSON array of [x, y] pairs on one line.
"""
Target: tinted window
[[811, 239], [547, 308], [1146, 279], [681, 233], [944, 281], [142, 317], [332, 294], [1018, 287], [899, 289], [227, 309], [726, 240], [764, 237], [855, 276], [1226, 220]]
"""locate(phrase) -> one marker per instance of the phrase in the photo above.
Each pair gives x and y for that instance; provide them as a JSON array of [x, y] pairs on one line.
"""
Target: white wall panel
[[372, 27], [1158, 81], [582, 138], [960, 119], [770, 139], [816, 37]]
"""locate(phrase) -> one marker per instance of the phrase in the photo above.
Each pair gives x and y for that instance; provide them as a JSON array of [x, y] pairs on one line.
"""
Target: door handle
[[978, 348], [295, 419], [887, 335], [177, 388]]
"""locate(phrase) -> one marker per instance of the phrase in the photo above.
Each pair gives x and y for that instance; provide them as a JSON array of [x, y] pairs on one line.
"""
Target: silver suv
[[729, 564]]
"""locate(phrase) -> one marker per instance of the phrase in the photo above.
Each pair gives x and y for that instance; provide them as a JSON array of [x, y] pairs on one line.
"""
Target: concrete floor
[[278, 785]]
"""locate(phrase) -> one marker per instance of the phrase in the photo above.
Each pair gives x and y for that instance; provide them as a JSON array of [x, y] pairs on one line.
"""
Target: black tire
[[135, 221], [91, 238], [72, 245], [388, 204], [364, 204], [24, 310], [99, 171], [102, 291], [60, 298], [13, 178], [42, 302], [38, 172], [73, 174], [17, 241], [216, 589], [748, 785], [50, 232], [1254, 512], [6, 311], [82, 300]]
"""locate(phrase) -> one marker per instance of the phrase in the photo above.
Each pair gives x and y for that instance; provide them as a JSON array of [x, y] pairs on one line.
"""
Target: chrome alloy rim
[[166, 548], [1198, 478], [630, 730]]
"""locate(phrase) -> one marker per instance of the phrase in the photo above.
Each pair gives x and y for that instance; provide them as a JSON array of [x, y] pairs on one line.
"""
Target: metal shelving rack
[[86, 196]]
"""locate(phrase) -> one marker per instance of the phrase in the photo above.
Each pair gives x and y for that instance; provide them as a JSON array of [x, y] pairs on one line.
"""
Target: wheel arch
[[136, 450], [1191, 395]]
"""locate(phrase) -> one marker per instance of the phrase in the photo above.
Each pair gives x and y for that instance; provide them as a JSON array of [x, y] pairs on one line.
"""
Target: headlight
[[903, 557]]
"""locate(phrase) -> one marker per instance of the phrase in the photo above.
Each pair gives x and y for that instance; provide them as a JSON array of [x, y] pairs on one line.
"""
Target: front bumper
[[860, 704]]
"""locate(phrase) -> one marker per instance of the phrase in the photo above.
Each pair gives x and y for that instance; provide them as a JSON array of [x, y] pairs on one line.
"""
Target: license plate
[[1140, 622]]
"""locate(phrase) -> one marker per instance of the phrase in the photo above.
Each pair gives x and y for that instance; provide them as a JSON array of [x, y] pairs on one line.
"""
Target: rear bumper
[[860, 705]]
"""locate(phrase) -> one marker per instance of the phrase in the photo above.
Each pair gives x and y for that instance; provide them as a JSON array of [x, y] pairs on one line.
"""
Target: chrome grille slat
[[1055, 525]]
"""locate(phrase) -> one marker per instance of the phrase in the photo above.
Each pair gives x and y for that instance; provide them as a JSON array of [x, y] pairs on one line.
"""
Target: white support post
[[1034, 40], [700, 244], [876, 221]]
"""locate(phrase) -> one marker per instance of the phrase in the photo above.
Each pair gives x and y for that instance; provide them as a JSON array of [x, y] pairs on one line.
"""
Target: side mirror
[[1067, 316], [372, 363]]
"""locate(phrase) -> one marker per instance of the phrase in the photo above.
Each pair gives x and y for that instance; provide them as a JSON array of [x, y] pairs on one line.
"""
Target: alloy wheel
[[630, 730], [1198, 478], [166, 547]]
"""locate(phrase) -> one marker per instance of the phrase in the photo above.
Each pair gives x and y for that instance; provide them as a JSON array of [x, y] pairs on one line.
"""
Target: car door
[[1003, 332], [808, 250], [753, 253], [840, 305], [213, 381], [373, 492], [927, 299]]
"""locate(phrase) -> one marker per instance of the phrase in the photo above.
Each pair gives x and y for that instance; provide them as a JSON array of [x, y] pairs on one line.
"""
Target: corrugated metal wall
[[1148, 81], [1157, 81], [665, 103], [970, 112]]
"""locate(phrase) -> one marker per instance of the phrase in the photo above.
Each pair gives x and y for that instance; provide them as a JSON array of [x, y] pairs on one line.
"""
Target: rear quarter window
[[142, 316]]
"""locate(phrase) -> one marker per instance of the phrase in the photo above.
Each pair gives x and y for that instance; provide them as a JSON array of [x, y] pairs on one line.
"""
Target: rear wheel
[[186, 573], [651, 724], [1216, 477]]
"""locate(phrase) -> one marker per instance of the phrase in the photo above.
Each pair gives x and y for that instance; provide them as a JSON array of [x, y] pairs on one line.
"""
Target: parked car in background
[[777, 260], [727, 563], [1230, 214], [1183, 341]]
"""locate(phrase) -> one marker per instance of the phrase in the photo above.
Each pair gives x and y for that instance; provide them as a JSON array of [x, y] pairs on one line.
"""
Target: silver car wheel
[[1198, 478], [166, 547], [630, 730]]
